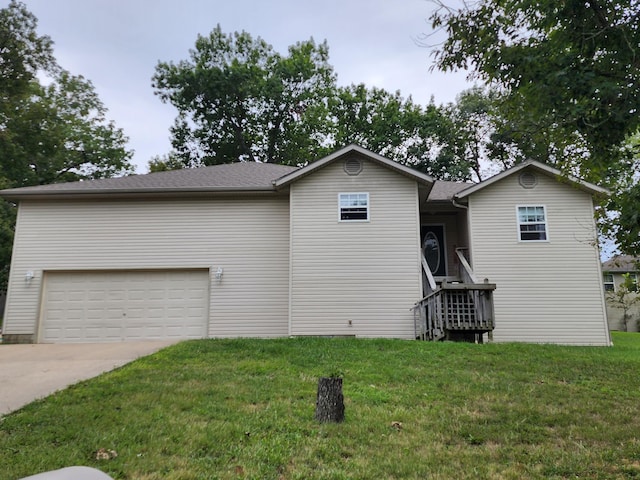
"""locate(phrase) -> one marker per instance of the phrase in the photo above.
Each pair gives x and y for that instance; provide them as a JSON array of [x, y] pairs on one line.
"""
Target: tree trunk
[[330, 401]]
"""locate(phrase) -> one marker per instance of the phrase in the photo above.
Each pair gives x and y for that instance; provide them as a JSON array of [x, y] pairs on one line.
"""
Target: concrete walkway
[[29, 372]]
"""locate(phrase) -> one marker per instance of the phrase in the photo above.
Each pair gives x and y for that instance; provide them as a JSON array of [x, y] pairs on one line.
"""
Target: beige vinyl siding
[[354, 278], [247, 237], [549, 292]]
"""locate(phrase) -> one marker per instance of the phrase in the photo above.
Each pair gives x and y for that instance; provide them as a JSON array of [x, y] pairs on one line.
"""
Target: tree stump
[[330, 401]]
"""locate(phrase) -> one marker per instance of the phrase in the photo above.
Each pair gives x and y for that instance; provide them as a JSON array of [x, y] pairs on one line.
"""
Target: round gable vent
[[352, 166], [528, 180]]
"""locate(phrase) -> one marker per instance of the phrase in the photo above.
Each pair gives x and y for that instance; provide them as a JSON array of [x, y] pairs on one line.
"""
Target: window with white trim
[[609, 285], [634, 282], [532, 223], [353, 207]]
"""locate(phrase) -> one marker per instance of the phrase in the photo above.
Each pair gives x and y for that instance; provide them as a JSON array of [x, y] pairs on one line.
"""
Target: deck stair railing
[[456, 309]]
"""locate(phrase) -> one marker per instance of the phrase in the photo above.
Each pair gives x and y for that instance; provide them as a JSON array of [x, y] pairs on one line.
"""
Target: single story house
[[353, 244], [621, 295]]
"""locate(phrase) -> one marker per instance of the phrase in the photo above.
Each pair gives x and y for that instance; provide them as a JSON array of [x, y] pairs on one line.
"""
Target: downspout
[[458, 205]]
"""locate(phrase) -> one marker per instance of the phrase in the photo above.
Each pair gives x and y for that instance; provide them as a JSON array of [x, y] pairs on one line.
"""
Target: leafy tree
[[396, 128], [573, 65], [164, 163], [569, 77], [51, 133], [472, 126], [60, 133], [24, 53], [625, 297], [490, 135], [624, 217], [239, 100], [520, 134], [7, 227], [375, 119]]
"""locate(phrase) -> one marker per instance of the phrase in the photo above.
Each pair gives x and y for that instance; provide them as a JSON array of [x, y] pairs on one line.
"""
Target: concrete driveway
[[29, 372]]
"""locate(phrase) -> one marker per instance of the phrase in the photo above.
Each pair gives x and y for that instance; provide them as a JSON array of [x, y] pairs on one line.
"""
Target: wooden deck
[[455, 307], [456, 310]]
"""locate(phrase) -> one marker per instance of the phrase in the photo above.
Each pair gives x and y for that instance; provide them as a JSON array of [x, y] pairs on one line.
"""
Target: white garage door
[[112, 306]]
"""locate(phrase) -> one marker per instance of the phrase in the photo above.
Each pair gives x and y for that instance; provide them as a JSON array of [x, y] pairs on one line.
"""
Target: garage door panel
[[74, 313], [56, 314], [112, 306], [155, 312], [70, 332], [92, 332], [137, 295], [156, 294], [136, 313], [110, 332], [134, 332]]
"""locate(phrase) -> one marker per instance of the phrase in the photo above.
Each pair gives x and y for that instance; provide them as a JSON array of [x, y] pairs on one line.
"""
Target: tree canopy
[[491, 133], [573, 64], [240, 100], [568, 75], [397, 128], [51, 132]]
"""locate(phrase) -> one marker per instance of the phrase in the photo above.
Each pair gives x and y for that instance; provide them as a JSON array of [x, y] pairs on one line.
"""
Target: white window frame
[[612, 283], [545, 223], [359, 195]]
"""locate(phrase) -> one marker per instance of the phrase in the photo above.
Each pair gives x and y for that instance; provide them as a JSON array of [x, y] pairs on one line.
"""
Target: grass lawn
[[243, 409]]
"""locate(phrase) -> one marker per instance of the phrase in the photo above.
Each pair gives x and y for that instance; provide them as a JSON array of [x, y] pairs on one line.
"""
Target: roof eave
[[133, 192]]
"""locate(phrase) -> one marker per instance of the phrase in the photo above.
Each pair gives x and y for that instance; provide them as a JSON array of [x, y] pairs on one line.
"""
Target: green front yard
[[244, 409]]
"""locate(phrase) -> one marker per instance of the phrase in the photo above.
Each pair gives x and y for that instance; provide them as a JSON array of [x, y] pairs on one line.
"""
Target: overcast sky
[[117, 43]]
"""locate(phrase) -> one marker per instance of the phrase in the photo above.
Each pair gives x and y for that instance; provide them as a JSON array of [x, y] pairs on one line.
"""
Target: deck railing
[[466, 273], [455, 309], [430, 285]]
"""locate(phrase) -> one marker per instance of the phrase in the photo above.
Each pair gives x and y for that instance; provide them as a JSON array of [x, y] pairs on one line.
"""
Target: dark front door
[[434, 250]]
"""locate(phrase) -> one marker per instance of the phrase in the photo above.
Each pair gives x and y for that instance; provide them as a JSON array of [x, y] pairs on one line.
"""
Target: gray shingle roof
[[621, 264], [245, 176], [249, 176], [444, 190]]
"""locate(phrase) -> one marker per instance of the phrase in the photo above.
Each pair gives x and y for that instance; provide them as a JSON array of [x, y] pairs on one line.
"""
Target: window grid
[[353, 207], [532, 223]]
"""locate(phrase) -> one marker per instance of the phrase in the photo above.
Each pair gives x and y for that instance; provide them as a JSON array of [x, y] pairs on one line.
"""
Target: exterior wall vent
[[352, 166], [528, 180]]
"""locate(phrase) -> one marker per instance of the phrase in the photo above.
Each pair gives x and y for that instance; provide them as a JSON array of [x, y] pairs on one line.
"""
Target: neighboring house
[[345, 246], [621, 295]]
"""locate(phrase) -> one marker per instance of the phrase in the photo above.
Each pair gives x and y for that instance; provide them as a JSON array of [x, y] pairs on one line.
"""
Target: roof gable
[[539, 167], [346, 152]]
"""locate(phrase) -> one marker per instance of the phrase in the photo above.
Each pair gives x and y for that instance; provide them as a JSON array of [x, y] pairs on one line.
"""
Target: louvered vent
[[352, 166], [528, 180]]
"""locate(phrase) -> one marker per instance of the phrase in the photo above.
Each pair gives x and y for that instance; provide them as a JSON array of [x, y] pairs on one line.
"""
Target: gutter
[[134, 193]]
